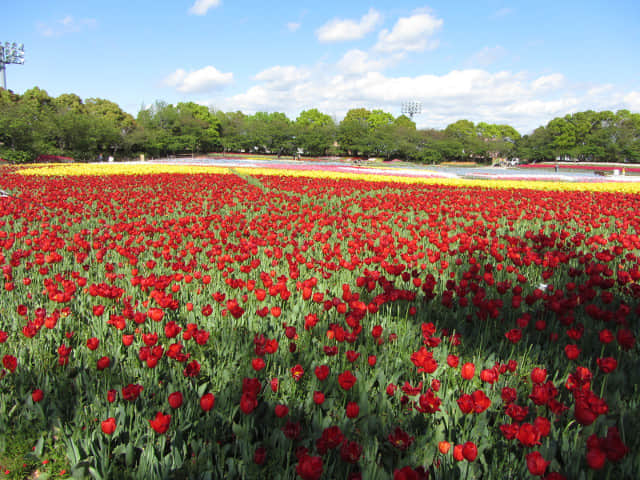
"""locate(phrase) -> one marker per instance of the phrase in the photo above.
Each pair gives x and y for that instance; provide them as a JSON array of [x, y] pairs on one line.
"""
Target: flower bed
[[244, 324], [579, 166]]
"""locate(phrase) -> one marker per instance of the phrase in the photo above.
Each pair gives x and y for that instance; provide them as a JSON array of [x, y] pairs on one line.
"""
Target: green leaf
[[95, 474], [39, 447], [129, 455], [202, 389]]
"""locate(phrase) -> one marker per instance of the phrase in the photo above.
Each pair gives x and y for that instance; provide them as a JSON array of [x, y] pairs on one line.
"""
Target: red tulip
[[37, 395], [536, 463], [160, 423], [207, 401], [175, 400], [10, 363], [468, 371], [347, 380], [352, 410], [108, 426], [281, 410], [469, 451]]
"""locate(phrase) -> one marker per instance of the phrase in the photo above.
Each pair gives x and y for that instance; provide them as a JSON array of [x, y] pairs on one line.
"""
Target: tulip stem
[[289, 456], [604, 383]]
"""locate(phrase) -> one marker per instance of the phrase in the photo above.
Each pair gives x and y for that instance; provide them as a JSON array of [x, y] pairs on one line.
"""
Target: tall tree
[[111, 125], [499, 139], [563, 136], [18, 128], [202, 125], [535, 147], [464, 132], [405, 138], [628, 135], [315, 132], [233, 130], [353, 132], [270, 133]]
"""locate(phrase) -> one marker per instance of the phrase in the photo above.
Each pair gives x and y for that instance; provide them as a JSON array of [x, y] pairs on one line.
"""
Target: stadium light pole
[[10, 53], [411, 108]]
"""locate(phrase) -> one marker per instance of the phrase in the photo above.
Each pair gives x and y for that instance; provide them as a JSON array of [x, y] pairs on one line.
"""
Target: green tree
[[314, 118], [186, 127], [69, 102], [628, 135], [38, 100], [158, 123], [464, 133], [233, 130], [405, 122], [72, 134], [405, 138], [429, 147], [535, 147], [378, 119], [461, 130], [563, 137], [269, 133], [111, 126], [200, 125], [353, 132], [17, 128], [499, 139], [382, 134], [38, 107], [281, 132], [315, 132]]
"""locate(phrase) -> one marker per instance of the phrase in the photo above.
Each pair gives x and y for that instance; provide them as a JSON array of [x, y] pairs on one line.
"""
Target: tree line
[[34, 124]]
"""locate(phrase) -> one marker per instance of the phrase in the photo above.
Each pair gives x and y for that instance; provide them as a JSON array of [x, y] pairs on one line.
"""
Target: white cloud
[[600, 89], [548, 82], [201, 7], [542, 108], [473, 94], [280, 78], [632, 101], [359, 62], [357, 80], [203, 80], [68, 24], [410, 34], [293, 26], [487, 56], [339, 30]]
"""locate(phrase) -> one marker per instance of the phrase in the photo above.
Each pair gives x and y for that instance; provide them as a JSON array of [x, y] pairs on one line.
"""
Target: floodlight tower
[[411, 108], [10, 53]]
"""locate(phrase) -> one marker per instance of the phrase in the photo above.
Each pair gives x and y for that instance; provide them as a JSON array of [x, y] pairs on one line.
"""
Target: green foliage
[[185, 128], [585, 136], [405, 122], [34, 123], [16, 156], [315, 132], [379, 119], [353, 133], [314, 118], [270, 133], [233, 130]]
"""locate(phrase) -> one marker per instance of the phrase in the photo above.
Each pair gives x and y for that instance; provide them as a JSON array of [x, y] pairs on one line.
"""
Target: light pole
[[10, 53], [411, 108]]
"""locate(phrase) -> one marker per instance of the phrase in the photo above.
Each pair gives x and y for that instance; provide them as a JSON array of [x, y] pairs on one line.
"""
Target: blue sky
[[516, 62]]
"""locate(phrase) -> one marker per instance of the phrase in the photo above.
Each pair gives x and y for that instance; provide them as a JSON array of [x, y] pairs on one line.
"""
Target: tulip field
[[161, 321]]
